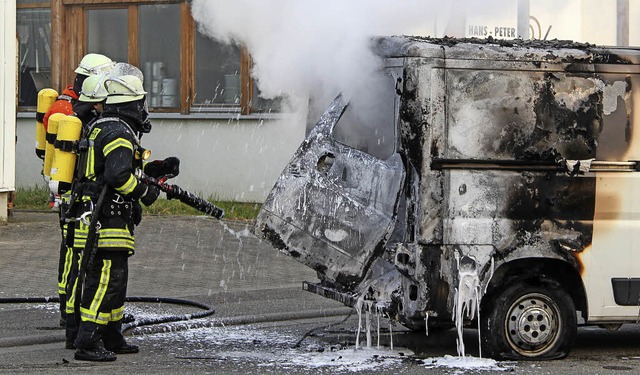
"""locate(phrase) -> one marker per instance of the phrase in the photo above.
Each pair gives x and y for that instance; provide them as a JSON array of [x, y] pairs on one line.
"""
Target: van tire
[[527, 321]]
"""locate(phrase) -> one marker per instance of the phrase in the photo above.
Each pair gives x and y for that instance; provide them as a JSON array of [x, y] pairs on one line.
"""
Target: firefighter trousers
[[102, 301]]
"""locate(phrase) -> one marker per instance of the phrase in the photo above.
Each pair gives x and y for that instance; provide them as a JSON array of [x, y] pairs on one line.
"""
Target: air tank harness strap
[[51, 138], [66, 146]]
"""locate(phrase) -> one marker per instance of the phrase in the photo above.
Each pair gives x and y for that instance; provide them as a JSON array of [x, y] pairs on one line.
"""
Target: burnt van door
[[333, 205]]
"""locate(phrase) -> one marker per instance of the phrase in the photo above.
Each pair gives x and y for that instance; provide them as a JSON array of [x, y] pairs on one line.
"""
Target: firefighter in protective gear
[[90, 64], [88, 109], [114, 142]]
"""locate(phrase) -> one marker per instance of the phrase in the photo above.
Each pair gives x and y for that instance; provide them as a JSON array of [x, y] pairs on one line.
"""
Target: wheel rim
[[532, 324]]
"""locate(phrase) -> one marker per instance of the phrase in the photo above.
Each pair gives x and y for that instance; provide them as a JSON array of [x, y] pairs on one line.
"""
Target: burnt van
[[500, 187]]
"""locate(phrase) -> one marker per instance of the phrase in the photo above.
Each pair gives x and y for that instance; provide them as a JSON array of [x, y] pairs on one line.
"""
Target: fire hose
[[176, 192], [207, 310]]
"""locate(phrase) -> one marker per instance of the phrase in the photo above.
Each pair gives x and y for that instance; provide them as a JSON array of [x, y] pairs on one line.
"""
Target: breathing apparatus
[[64, 160], [68, 136], [46, 97], [52, 133]]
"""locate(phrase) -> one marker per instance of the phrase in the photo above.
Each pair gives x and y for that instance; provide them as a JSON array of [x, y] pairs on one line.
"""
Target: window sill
[[194, 116]]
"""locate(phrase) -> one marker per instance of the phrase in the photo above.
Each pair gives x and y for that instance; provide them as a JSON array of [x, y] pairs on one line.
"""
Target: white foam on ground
[[342, 360], [468, 363], [271, 349]]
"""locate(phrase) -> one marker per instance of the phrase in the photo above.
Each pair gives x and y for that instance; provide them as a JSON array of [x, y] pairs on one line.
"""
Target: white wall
[[592, 21], [634, 25], [7, 102], [599, 22], [226, 158]]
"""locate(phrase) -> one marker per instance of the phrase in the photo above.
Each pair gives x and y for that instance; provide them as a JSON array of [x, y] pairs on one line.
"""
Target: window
[[184, 70], [34, 43], [369, 123], [107, 33], [217, 74], [159, 53]]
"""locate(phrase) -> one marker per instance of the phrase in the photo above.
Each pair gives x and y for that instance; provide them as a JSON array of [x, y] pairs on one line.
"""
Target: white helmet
[[123, 89], [93, 89], [94, 63]]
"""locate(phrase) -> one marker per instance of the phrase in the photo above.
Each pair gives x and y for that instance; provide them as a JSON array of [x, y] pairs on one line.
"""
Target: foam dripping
[[467, 298]]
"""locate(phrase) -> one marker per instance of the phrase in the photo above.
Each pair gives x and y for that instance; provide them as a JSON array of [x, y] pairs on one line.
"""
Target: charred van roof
[[560, 51]]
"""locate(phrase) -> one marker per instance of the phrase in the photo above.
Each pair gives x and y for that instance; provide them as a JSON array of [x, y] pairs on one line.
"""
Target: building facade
[[8, 57], [205, 105]]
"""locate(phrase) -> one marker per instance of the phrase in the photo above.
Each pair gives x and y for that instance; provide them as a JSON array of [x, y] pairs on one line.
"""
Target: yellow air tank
[[64, 159], [46, 97], [52, 133]]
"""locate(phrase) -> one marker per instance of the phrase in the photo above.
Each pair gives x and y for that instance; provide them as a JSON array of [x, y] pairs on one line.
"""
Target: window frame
[[68, 19]]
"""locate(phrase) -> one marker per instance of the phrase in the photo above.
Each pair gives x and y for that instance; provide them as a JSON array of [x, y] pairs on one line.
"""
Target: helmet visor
[[124, 69]]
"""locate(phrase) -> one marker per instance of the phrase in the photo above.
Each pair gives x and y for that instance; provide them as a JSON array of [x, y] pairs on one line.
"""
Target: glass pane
[[159, 53], [217, 74], [259, 104], [107, 33], [34, 43], [369, 122], [370, 130]]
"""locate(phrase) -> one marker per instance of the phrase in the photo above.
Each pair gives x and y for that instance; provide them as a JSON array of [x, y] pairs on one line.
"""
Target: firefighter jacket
[[63, 104], [111, 162]]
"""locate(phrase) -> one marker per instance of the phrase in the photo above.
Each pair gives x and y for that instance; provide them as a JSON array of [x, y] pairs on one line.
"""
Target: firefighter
[[112, 192], [91, 64], [88, 109]]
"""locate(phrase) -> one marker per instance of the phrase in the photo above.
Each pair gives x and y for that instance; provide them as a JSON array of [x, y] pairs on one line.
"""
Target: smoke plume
[[314, 48]]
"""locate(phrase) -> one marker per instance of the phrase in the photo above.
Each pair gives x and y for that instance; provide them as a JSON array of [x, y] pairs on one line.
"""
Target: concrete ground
[[193, 258]]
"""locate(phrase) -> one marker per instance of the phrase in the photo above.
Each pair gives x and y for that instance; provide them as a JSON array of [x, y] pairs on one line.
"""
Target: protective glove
[[169, 167], [150, 195]]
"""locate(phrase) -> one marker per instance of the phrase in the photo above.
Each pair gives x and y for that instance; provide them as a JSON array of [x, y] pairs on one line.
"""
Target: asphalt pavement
[[193, 258], [260, 312]]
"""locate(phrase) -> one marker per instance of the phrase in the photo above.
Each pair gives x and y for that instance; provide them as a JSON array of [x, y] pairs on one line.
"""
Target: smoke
[[314, 48]]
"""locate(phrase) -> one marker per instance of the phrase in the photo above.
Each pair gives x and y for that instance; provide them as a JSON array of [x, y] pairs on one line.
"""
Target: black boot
[[96, 354], [114, 340], [125, 349], [89, 343]]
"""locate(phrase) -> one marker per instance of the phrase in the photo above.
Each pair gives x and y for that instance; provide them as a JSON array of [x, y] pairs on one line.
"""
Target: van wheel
[[529, 322]]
